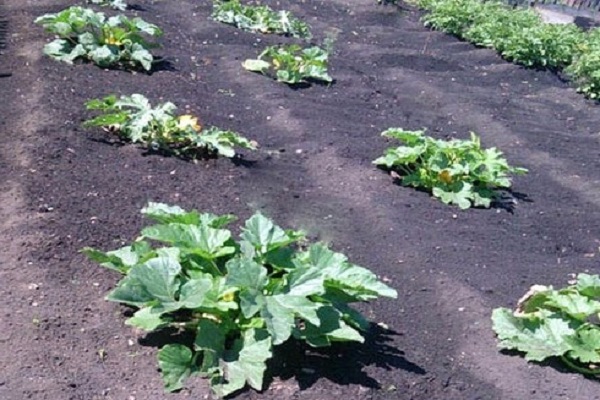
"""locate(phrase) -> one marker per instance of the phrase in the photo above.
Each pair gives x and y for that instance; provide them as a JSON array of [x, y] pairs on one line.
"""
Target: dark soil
[[63, 188]]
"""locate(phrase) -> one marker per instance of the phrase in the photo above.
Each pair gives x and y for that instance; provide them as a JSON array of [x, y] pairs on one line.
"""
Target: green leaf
[[256, 65], [264, 236], [574, 304], [194, 292], [245, 273], [280, 312], [147, 319], [176, 364], [166, 214], [210, 339], [158, 277], [248, 365], [461, 197], [537, 338], [585, 346], [202, 240], [104, 56], [141, 55], [589, 285]]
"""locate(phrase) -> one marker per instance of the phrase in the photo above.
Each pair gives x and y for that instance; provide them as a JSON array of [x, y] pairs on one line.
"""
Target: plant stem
[[577, 368]]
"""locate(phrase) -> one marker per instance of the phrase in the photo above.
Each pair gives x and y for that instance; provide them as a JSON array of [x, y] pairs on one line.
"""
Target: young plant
[[259, 19], [238, 299], [134, 119], [455, 171], [292, 64], [115, 4], [84, 33], [551, 323]]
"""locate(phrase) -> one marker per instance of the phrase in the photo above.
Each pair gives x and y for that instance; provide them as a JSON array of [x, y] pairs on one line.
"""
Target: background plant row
[[521, 36]]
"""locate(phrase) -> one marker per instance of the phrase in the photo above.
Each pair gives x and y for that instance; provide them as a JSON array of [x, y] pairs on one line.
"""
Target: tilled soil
[[63, 187]]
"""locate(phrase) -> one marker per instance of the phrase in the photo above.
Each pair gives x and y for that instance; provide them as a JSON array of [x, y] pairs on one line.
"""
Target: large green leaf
[[210, 339], [537, 338], [158, 277], [176, 364], [205, 241], [248, 362], [280, 312]]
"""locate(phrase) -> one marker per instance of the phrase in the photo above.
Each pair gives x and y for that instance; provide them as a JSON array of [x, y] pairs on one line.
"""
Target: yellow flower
[[113, 40], [277, 64], [445, 176], [185, 121], [228, 296]]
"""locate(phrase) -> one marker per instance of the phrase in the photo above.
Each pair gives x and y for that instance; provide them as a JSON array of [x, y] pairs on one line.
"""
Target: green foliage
[[240, 298], [292, 64], [519, 35], [84, 33], [115, 4], [585, 69], [259, 19], [133, 118], [555, 323], [455, 171]]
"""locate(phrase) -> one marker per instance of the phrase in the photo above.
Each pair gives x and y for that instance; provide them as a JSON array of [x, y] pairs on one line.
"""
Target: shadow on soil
[[342, 363]]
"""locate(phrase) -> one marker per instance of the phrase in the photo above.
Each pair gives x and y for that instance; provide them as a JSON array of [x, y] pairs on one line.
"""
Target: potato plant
[[292, 64], [134, 119], [261, 19], [555, 323], [585, 69], [89, 35], [518, 35], [456, 171], [238, 299]]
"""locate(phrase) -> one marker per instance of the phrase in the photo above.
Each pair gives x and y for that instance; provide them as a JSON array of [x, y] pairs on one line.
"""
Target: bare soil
[[63, 187]]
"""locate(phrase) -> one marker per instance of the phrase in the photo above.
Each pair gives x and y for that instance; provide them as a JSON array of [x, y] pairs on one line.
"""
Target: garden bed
[[65, 187]]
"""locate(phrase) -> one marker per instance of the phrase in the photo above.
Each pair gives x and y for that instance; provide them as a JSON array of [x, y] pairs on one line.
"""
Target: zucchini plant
[[238, 299], [555, 323], [261, 19], [134, 119], [292, 64], [456, 171], [107, 42]]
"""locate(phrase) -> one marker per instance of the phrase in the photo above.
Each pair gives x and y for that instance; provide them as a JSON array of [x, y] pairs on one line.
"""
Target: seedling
[[238, 299], [115, 4], [292, 64], [259, 19], [457, 172], [551, 323], [84, 33], [134, 119]]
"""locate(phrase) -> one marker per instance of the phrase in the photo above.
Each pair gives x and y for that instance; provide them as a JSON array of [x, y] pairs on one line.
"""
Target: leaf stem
[[577, 368]]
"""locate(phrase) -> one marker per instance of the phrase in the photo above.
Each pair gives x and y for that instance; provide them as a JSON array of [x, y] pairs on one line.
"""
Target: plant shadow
[[342, 363], [197, 156]]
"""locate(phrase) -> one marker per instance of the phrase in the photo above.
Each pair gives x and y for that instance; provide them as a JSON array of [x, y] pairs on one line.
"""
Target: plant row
[[521, 36]]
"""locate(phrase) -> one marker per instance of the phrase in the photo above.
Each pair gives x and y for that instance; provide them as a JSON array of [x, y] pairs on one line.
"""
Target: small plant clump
[[134, 119], [84, 33], [115, 4], [259, 19], [550, 323], [292, 64], [238, 299], [456, 171]]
